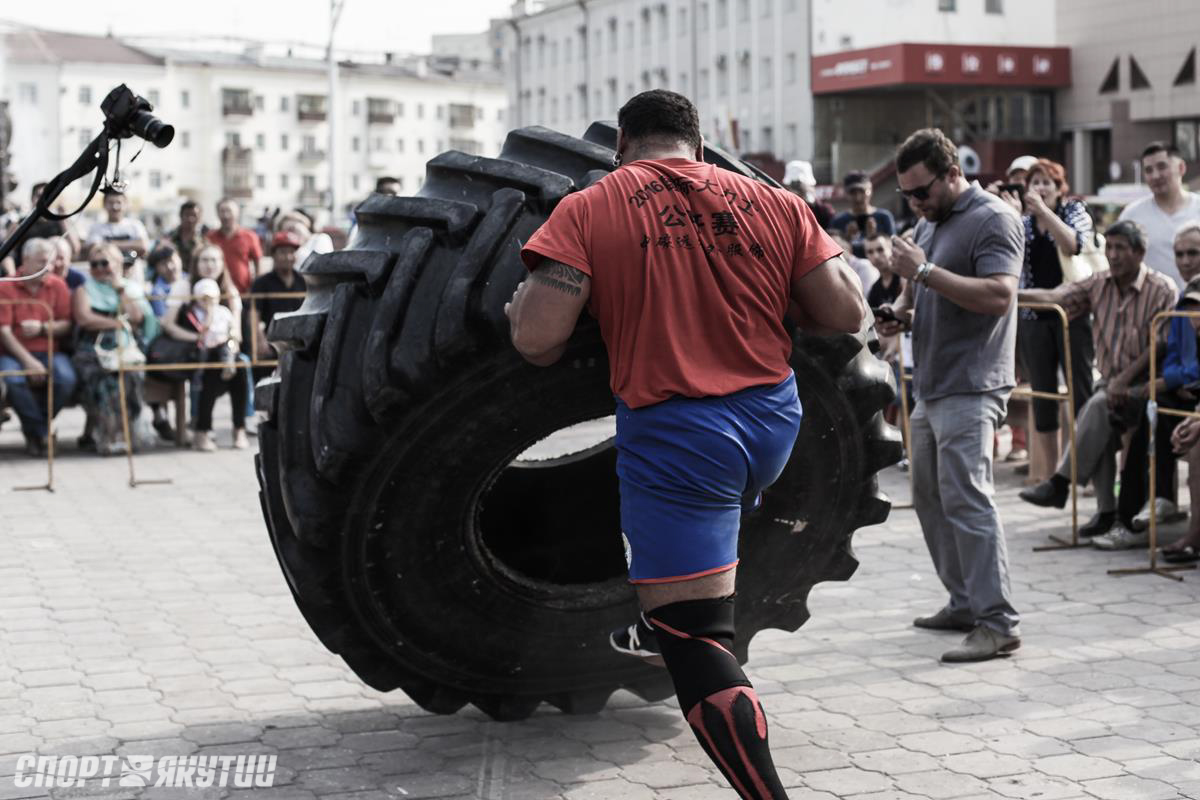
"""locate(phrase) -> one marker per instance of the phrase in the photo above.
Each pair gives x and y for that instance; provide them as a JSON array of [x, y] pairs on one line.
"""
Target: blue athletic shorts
[[688, 469]]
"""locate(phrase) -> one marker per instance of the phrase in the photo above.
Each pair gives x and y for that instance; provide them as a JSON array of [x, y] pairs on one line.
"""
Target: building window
[[421, 146], [567, 51], [283, 141], [399, 145], [85, 95], [767, 144], [645, 27], [355, 110], [283, 103], [441, 112], [185, 139], [153, 97], [259, 102], [629, 35], [791, 68], [743, 10], [1137, 78], [185, 99], [85, 137], [1186, 139], [768, 73], [260, 181], [1187, 73], [1112, 81], [790, 141], [683, 22], [354, 182], [308, 183], [283, 181], [683, 83], [768, 7], [702, 17], [702, 84], [310, 144], [947, 5], [744, 73], [155, 178], [612, 34], [354, 144], [722, 13], [420, 111], [27, 92], [260, 141], [993, 6]]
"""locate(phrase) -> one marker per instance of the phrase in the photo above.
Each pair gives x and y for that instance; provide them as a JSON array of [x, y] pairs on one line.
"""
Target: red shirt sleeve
[[256, 253], [6, 310], [561, 238], [813, 246]]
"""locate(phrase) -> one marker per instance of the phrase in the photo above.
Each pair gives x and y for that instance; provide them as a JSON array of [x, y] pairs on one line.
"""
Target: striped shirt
[[1075, 214], [1121, 327]]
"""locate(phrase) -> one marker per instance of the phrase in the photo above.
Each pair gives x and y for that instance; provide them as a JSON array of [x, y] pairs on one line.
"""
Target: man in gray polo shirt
[[962, 274]]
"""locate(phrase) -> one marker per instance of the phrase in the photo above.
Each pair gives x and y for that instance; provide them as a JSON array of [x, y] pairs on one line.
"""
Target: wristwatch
[[923, 271]]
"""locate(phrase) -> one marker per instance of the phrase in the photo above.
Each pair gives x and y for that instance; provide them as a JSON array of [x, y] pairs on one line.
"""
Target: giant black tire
[[414, 547]]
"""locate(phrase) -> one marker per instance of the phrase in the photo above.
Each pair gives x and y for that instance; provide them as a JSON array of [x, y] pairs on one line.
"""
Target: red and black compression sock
[[696, 639]]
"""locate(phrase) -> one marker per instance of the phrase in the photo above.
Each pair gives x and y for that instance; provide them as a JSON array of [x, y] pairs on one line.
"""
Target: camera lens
[[152, 129]]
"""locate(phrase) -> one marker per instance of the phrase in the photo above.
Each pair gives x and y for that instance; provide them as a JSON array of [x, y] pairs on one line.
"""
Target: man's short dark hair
[[1134, 233], [379, 182], [188, 205], [110, 191], [1161, 147], [878, 234], [660, 114], [928, 146]]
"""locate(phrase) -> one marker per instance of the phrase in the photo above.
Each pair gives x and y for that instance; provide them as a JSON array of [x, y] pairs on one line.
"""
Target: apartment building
[[743, 62], [251, 124]]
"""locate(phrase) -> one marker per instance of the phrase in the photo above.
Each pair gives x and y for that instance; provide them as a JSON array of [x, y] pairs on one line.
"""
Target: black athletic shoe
[[1100, 524], [165, 431], [638, 640]]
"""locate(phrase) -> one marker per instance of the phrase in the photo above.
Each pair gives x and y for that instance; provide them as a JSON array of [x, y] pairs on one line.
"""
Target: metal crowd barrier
[[1152, 411], [1068, 397], [49, 484], [134, 482]]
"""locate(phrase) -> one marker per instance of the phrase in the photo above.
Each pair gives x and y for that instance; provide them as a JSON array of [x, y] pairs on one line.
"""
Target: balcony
[[462, 116], [236, 103], [312, 197], [311, 156], [310, 108], [380, 111], [237, 172]]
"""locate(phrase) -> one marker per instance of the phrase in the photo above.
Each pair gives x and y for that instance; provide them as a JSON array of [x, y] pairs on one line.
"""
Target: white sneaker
[[239, 440], [203, 442], [1164, 510], [1121, 538]]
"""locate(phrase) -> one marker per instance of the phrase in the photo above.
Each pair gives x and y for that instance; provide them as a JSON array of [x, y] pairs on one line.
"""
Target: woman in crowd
[[111, 314], [1056, 227], [169, 285], [211, 327]]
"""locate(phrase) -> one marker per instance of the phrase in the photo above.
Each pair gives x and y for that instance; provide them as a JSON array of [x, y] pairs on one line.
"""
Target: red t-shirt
[[240, 249], [691, 268], [53, 292]]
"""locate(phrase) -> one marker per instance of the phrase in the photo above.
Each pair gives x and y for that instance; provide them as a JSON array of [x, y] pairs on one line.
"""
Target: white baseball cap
[[1023, 163], [799, 172]]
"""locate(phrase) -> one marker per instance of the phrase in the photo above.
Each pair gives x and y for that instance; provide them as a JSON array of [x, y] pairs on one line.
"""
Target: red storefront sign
[[941, 65]]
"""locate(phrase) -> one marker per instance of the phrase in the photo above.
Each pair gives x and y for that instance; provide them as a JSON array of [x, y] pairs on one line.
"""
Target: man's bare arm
[[829, 298], [544, 310]]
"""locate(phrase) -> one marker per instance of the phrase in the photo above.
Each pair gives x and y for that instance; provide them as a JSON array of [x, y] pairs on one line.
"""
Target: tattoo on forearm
[[561, 277]]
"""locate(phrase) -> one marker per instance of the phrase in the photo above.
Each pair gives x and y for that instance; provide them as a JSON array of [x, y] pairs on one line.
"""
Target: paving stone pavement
[[155, 621]]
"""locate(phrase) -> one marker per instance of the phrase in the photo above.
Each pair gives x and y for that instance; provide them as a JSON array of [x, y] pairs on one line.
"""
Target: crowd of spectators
[[89, 297], [1111, 283]]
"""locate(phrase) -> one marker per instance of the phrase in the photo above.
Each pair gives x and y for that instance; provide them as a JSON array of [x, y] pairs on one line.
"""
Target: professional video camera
[[126, 115]]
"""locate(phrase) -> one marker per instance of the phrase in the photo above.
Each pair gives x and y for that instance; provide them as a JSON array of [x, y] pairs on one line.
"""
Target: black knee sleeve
[[696, 639]]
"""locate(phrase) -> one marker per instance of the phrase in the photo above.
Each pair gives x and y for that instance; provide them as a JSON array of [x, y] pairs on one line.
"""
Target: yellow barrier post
[[49, 484], [1153, 411], [1069, 399]]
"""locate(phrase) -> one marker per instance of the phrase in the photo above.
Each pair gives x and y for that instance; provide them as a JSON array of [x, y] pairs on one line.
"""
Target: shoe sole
[[1144, 525], [652, 658], [1103, 546], [1002, 652], [1040, 504], [952, 628]]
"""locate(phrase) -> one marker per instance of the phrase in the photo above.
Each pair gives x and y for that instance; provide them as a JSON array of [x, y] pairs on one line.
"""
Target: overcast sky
[[397, 25]]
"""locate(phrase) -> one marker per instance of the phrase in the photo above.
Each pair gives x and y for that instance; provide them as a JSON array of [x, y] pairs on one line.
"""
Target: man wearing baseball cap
[[283, 277], [863, 220]]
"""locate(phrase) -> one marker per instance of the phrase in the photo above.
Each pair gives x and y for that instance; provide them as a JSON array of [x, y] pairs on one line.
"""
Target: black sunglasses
[[1189, 253], [921, 192], [98, 264]]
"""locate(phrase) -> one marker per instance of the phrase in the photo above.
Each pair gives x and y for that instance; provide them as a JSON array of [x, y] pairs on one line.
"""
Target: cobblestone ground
[[155, 621]]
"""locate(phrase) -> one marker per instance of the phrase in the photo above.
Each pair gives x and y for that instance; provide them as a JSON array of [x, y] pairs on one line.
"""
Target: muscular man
[[689, 270]]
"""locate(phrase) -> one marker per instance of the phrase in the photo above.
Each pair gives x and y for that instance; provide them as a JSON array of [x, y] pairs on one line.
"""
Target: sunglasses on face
[[1190, 253], [921, 192], [99, 264]]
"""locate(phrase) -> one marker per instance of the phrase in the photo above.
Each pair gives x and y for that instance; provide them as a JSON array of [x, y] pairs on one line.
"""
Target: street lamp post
[[335, 13]]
